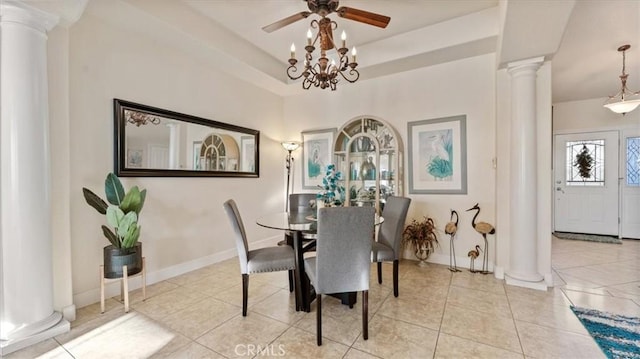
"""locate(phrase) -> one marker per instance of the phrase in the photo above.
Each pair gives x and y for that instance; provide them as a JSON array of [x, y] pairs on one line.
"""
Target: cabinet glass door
[[367, 153]]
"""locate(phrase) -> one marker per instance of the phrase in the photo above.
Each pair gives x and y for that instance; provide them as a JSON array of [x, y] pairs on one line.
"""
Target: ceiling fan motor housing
[[322, 7]]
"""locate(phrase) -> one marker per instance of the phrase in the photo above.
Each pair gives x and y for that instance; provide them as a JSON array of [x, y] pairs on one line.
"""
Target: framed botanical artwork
[[316, 156], [134, 157], [438, 156]]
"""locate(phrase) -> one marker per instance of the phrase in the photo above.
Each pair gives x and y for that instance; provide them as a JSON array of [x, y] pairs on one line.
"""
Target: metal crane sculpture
[[483, 228], [451, 228], [473, 254]]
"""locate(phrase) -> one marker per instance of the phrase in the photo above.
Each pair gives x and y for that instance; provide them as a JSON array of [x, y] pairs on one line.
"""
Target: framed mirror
[[151, 142]]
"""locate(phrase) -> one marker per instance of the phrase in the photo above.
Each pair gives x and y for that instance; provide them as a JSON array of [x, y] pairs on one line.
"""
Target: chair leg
[[396, 263], [245, 293], [379, 272], [365, 314], [291, 281], [319, 318]]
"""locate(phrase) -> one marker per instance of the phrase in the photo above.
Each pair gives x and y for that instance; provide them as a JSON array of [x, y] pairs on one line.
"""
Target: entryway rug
[[588, 237], [618, 336]]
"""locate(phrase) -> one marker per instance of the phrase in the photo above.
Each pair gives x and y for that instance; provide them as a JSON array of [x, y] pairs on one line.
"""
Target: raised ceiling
[[579, 37], [582, 47]]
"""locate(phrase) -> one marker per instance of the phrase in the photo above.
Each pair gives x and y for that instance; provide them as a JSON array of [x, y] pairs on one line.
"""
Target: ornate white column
[[26, 298], [523, 234]]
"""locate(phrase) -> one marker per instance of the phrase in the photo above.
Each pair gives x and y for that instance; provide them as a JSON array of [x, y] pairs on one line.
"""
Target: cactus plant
[[122, 211]]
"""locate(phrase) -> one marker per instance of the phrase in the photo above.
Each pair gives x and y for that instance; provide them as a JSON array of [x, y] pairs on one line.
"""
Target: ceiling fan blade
[[286, 21], [363, 16]]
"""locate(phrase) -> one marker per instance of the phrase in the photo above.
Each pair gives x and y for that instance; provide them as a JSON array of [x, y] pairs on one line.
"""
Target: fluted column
[[523, 172], [26, 299]]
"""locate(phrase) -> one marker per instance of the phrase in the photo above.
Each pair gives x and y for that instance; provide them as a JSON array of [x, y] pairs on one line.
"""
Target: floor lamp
[[290, 147]]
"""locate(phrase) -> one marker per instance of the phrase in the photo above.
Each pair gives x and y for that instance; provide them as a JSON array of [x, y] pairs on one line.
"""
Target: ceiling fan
[[326, 7]]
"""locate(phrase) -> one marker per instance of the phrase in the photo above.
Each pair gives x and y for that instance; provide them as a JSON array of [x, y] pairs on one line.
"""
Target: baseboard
[[113, 288], [462, 263]]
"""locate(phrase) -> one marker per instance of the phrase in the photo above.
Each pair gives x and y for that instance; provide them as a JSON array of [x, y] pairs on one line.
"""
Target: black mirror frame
[[120, 151]]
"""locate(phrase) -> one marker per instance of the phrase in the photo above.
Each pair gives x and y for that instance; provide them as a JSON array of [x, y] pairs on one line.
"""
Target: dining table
[[300, 223]]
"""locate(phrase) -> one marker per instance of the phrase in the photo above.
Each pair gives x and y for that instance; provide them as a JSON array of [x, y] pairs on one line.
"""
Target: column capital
[[528, 64], [21, 13]]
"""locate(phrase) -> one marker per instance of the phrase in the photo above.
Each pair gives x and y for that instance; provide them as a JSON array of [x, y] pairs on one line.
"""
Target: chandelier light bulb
[[353, 54], [293, 51], [344, 39], [309, 36]]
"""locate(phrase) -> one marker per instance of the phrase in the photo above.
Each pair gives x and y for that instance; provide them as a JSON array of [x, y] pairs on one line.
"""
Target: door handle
[[559, 189]]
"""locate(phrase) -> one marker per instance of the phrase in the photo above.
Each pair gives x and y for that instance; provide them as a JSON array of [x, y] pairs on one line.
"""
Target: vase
[[368, 170], [115, 258], [422, 254]]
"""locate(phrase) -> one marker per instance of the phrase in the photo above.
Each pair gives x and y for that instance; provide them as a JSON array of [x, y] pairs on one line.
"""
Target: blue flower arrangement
[[332, 193]]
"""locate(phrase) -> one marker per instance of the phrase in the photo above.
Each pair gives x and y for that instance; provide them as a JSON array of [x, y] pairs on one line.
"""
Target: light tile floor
[[439, 314]]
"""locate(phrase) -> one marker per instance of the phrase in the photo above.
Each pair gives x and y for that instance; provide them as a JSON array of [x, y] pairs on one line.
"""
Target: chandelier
[[625, 100], [140, 118], [326, 72]]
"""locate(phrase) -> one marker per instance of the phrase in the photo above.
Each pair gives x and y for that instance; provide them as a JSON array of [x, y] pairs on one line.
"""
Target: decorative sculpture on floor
[[483, 228], [473, 254], [451, 228]]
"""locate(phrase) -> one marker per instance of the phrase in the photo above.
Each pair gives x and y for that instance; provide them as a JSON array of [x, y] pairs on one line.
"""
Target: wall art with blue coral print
[[437, 156]]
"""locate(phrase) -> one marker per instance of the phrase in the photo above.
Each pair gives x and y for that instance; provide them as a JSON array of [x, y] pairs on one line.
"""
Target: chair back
[[343, 249], [299, 202], [231, 209], [395, 215]]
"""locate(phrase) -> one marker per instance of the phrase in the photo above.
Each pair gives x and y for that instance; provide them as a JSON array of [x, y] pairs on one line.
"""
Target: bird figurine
[[451, 228], [473, 254], [483, 228]]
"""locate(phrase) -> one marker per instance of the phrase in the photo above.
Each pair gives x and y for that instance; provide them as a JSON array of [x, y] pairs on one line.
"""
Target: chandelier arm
[[291, 72], [306, 83], [353, 75]]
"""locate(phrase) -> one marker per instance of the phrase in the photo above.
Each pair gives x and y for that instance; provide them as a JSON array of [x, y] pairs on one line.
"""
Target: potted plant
[[421, 235], [332, 192], [123, 232]]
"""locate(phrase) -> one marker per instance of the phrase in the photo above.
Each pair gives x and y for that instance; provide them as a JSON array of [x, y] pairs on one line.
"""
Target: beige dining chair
[[269, 259], [343, 258], [387, 247]]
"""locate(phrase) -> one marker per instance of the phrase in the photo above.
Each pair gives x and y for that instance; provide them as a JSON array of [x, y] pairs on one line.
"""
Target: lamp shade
[[623, 106], [290, 145]]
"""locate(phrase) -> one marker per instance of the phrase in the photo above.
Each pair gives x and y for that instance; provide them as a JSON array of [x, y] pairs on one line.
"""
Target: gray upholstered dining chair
[[299, 202], [269, 259], [343, 257], [387, 247]]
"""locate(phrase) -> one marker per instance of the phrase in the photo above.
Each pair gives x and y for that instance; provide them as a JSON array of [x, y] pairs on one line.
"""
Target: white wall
[[183, 223], [590, 115], [465, 87]]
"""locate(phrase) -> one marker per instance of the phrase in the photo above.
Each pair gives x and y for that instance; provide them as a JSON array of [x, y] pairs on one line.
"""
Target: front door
[[586, 183], [630, 227]]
